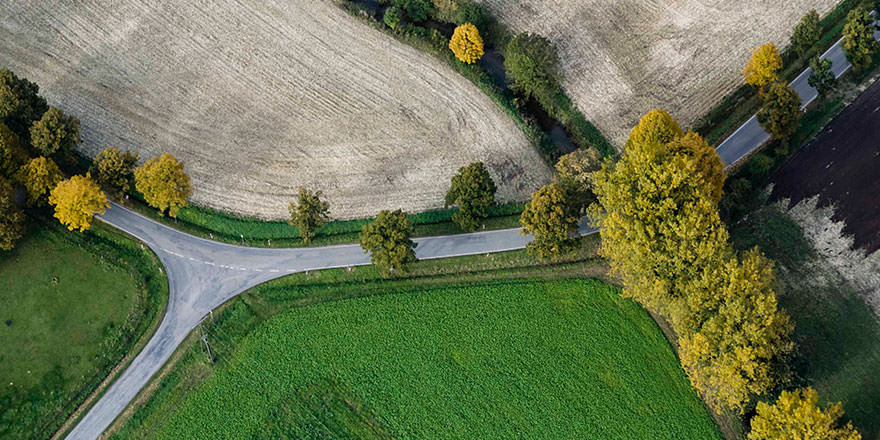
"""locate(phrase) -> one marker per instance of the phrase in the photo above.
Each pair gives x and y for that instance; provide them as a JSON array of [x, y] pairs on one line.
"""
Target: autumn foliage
[[163, 183], [388, 241], [550, 218], [466, 43], [76, 202], [39, 176], [796, 416], [763, 68]]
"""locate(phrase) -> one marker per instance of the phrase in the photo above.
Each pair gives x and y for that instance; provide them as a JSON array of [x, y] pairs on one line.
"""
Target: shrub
[[533, 66], [393, 16]]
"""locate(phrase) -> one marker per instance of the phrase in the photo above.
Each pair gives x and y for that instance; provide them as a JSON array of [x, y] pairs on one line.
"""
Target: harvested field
[[260, 98], [624, 58]]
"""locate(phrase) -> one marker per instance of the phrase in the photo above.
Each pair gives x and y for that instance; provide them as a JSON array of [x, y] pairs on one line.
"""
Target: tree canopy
[[388, 241], [55, 132], [780, 112], [20, 103], [807, 32], [12, 154], [114, 170], [309, 213], [532, 65], [858, 38], [821, 77], [76, 202], [11, 217], [473, 192], [39, 176], [466, 43], [574, 170], [764, 65], [657, 126], [549, 217], [163, 183], [796, 415]]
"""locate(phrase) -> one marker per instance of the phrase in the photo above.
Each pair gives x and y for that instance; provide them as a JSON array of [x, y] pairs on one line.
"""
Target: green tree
[[39, 176], [806, 33], [473, 192], [393, 16], [12, 154], [821, 77], [55, 132], [532, 65], [309, 213], [416, 10], [550, 218], [574, 170], [20, 103], [11, 217], [858, 38], [780, 112], [76, 202], [388, 241], [475, 14], [114, 170], [763, 67], [796, 416], [163, 183]]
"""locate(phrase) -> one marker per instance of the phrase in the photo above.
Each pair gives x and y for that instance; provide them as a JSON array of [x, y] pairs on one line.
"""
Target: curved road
[[203, 274]]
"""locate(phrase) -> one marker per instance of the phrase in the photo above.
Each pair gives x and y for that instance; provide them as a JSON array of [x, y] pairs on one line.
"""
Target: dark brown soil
[[842, 165]]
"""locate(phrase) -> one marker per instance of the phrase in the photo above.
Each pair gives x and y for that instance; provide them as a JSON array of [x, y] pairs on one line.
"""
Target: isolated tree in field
[[551, 220], [858, 38], [11, 217], [796, 415], [163, 183], [388, 241], [309, 213], [806, 33], [55, 132], [76, 202], [473, 13], [736, 341], [20, 103], [114, 170], [574, 171], [533, 66], [763, 67], [393, 16], [821, 77], [12, 154], [39, 176], [473, 192], [657, 126], [780, 112], [466, 43]]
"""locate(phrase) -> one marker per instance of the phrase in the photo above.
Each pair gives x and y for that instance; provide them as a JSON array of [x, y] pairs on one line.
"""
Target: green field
[[526, 359], [67, 316]]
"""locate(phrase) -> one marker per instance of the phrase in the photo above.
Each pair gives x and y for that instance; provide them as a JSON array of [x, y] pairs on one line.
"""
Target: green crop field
[[504, 359]]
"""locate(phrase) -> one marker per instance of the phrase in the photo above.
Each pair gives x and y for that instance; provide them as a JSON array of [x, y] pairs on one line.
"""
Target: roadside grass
[[484, 359], [836, 332], [73, 306]]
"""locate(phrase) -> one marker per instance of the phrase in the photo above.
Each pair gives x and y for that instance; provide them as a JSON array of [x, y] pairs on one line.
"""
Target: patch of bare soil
[[261, 97], [624, 58]]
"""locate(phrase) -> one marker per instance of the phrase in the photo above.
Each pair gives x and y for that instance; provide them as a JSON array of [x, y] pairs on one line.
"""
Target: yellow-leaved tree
[[466, 43], [763, 67], [163, 183], [796, 416], [76, 202], [39, 176], [550, 217], [657, 126]]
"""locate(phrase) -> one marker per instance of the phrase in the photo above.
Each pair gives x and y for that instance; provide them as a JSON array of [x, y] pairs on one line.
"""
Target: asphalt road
[[203, 274], [751, 135]]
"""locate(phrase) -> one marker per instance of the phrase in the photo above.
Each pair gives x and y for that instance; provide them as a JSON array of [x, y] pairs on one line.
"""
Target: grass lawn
[[67, 316], [500, 359]]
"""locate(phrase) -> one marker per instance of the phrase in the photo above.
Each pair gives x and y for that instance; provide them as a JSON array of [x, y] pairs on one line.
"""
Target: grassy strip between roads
[[75, 307], [420, 358]]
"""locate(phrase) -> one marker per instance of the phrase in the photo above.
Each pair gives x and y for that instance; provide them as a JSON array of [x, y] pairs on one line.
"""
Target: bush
[[393, 16], [473, 13], [532, 65]]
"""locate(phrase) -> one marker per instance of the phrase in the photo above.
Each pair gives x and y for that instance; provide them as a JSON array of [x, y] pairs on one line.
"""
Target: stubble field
[[260, 98], [624, 58]]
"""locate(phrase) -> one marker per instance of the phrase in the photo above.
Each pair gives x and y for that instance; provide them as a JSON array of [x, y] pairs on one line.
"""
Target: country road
[[203, 274]]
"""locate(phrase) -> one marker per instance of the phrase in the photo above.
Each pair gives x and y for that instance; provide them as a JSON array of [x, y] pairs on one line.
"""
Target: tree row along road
[[203, 274]]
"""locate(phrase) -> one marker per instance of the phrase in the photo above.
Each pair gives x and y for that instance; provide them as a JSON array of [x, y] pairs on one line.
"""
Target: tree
[[388, 241], [574, 171], [821, 77], [11, 217], [12, 154], [806, 33], [309, 213], [20, 103], [416, 10], [39, 176], [393, 16], [858, 38], [796, 415], [55, 132], [763, 67], [532, 65], [466, 43], [657, 126], [708, 163], [780, 112], [76, 202], [163, 183], [736, 341], [473, 13], [473, 192], [550, 218], [114, 170]]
